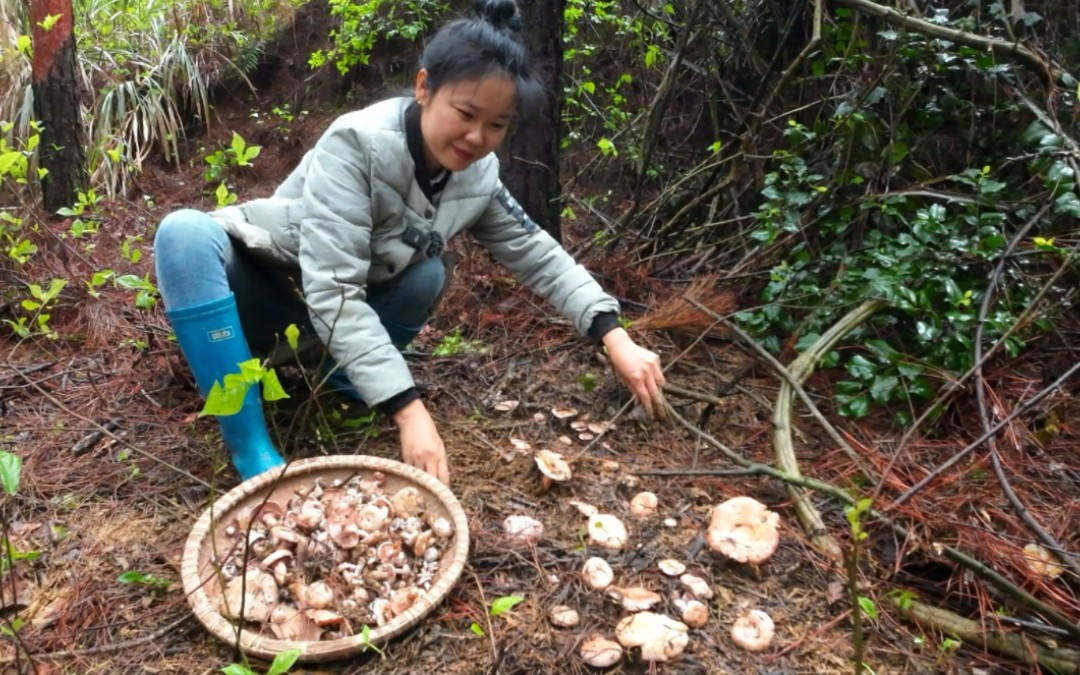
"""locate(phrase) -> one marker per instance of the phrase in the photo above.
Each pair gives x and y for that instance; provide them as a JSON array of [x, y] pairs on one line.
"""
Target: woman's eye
[[465, 114]]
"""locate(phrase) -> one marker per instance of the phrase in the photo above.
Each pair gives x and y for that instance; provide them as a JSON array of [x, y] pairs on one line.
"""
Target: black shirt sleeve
[[390, 406], [603, 323]]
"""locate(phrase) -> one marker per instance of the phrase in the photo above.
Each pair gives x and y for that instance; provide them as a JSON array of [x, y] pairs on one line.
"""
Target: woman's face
[[464, 121]]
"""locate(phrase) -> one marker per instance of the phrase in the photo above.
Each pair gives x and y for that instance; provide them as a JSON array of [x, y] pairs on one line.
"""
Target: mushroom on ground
[[607, 531], [553, 466], [585, 509], [563, 616], [1042, 562], [697, 586], [563, 412], [753, 631], [694, 612], [600, 652], [743, 529], [635, 598], [671, 567], [643, 504], [597, 574], [523, 529], [660, 637]]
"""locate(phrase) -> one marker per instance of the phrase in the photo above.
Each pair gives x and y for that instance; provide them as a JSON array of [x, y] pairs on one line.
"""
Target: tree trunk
[[532, 172], [61, 148]]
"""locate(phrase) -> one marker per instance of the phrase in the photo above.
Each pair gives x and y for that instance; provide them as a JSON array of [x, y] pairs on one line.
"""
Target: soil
[[118, 466]]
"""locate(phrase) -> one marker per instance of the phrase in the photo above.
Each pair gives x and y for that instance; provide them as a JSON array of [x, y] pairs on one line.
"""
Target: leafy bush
[[363, 23], [839, 233]]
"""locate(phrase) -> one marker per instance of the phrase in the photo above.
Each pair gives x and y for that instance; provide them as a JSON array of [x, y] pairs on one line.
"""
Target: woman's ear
[[421, 86]]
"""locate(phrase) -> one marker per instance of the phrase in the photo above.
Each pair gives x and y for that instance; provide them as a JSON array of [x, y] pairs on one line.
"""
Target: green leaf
[[475, 627], [10, 471], [857, 407], [896, 152], [805, 341], [132, 577], [238, 669], [909, 370], [227, 399], [883, 351], [292, 336], [868, 606], [587, 382], [271, 386], [238, 144], [49, 21], [861, 368], [252, 370], [505, 604], [1067, 204], [883, 387], [284, 661]]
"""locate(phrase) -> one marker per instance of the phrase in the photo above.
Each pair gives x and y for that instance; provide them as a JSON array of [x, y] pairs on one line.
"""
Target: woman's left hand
[[639, 369]]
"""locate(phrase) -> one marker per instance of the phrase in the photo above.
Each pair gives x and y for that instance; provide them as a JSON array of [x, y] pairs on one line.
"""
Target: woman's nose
[[475, 135]]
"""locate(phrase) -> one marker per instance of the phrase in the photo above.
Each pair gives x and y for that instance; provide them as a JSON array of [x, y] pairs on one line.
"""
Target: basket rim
[[265, 647]]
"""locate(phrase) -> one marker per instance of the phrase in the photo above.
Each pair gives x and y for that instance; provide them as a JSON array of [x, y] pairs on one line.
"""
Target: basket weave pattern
[[202, 582]]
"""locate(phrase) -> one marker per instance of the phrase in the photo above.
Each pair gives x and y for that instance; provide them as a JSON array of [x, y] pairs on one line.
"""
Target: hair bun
[[501, 14]]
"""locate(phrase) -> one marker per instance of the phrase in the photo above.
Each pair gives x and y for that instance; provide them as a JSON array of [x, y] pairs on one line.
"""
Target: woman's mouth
[[462, 154]]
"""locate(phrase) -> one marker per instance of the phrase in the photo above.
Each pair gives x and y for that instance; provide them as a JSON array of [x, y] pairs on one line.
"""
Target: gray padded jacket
[[340, 216]]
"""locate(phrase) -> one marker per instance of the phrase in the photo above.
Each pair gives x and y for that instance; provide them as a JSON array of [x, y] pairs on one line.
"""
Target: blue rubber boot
[[213, 344]]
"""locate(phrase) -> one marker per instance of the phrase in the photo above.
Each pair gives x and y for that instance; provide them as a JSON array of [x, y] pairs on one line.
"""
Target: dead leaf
[[835, 592]]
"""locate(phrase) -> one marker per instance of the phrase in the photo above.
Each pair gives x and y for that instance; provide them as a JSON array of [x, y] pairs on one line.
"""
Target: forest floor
[[117, 467]]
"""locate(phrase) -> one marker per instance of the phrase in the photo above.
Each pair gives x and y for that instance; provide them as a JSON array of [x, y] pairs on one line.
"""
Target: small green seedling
[[505, 604], [142, 579], [10, 472], [366, 644], [587, 382], [498, 606], [280, 665], [456, 345]]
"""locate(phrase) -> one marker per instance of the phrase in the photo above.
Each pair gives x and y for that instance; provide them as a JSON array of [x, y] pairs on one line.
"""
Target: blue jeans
[[197, 262]]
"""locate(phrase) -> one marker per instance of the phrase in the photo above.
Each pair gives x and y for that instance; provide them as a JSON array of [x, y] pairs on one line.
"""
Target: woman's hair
[[471, 49]]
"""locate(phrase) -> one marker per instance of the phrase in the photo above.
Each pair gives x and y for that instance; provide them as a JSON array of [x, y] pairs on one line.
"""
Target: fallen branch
[[1048, 73], [1016, 645], [800, 369], [796, 385]]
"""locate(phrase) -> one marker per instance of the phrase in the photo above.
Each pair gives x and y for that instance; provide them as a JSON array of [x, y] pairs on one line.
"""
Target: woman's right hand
[[421, 445]]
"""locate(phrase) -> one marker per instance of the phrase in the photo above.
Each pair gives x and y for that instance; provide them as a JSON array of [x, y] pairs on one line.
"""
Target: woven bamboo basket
[[202, 581]]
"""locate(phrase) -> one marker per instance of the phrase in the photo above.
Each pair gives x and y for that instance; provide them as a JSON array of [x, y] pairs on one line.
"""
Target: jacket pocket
[[389, 252]]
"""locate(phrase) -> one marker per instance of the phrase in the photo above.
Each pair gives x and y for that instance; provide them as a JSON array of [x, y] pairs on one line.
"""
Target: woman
[[348, 247]]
